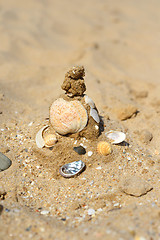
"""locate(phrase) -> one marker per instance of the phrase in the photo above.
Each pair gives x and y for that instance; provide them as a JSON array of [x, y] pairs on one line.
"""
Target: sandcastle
[[74, 114]]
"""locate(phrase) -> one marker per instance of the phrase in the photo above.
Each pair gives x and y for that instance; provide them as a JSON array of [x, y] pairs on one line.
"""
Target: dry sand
[[118, 42]]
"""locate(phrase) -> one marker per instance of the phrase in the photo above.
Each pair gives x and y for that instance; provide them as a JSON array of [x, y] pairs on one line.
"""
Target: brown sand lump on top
[[74, 83]]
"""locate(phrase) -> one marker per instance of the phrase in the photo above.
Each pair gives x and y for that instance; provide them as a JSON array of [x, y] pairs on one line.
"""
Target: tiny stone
[[44, 212], [80, 150], [91, 211], [90, 153], [96, 127], [99, 210], [99, 168], [1, 209]]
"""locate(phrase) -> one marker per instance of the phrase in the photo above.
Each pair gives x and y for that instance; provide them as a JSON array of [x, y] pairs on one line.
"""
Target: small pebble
[[5, 162], [1, 209], [80, 150], [90, 153], [91, 211], [96, 127], [99, 168], [44, 212]]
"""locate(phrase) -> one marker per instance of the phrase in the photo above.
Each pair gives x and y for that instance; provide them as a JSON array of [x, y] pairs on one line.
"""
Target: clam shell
[[68, 117], [115, 136], [71, 169], [89, 101], [39, 137], [5, 162], [104, 148], [50, 140], [94, 115], [83, 114]]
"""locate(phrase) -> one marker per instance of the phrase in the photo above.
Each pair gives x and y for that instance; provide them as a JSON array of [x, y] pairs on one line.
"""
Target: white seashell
[[116, 136], [68, 117], [94, 115], [39, 137], [89, 101]]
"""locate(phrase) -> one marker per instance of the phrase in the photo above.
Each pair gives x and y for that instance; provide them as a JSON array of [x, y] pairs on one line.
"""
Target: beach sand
[[118, 43]]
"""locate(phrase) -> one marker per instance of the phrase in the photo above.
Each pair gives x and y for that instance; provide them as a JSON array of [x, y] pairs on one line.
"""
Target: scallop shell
[[68, 117], [50, 140], [39, 137], [104, 148], [116, 136], [94, 115], [89, 101], [71, 169]]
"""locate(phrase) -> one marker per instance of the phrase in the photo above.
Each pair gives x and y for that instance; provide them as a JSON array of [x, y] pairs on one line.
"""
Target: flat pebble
[[5, 162], [80, 150], [135, 186], [124, 112], [91, 211]]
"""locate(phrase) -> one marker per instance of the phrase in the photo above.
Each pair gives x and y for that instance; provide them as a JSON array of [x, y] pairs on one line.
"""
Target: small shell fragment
[[89, 101], [71, 169], [94, 115], [39, 137], [104, 148], [116, 136], [50, 140]]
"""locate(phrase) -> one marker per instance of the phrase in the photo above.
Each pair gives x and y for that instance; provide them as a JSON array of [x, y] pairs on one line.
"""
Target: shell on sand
[[89, 101], [104, 148], [71, 169], [39, 137], [50, 140], [94, 115], [68, 117], [115, 136]]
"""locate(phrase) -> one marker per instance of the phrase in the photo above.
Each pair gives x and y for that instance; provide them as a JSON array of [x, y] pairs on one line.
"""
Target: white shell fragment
[[39, 137], [116, 136], [89, 101], [94, 115], [71, 169]]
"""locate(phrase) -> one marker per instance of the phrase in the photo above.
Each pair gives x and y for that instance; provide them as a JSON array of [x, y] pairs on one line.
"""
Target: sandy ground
[[118, 42]]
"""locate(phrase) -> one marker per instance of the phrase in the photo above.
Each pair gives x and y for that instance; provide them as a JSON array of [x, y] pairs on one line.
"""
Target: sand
[[118, 43]]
